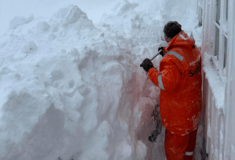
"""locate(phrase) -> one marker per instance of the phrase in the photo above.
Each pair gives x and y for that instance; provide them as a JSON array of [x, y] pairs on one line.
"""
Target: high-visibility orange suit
[[180, 80]]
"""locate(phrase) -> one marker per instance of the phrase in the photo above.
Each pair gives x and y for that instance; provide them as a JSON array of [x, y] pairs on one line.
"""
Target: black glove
[[146, 64], [161, 48]]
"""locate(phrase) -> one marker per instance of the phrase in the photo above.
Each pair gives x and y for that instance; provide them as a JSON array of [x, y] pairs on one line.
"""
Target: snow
[[71, 83], [217, 84], [17, 21]]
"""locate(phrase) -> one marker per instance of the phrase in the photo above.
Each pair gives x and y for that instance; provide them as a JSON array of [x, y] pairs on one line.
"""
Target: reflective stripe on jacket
[[180, 80]]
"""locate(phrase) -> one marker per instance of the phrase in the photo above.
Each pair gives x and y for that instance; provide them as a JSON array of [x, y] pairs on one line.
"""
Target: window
[[225, 51], [220, 36], [199, 13], [218, 5], [226, 9], [216, 52]]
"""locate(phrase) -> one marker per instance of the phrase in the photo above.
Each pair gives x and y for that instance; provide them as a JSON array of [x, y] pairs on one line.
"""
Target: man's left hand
[[146, 64], [161, 49]]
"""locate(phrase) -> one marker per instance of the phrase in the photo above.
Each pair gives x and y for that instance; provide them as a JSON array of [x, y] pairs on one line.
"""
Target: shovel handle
[[156, 55]]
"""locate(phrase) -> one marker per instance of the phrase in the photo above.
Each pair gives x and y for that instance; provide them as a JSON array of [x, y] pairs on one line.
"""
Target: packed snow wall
[[74, 90]]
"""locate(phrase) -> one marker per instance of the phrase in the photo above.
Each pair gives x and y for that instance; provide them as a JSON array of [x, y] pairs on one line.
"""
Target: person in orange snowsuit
[[180, 81]]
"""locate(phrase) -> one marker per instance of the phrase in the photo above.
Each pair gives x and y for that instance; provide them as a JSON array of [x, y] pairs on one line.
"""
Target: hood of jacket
[[181, 40]]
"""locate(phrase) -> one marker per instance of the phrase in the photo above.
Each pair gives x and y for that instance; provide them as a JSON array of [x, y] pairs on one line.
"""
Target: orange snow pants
[[179, 147]]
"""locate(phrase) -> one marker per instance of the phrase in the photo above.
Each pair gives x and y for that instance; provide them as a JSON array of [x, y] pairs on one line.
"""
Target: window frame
[[220, 61]]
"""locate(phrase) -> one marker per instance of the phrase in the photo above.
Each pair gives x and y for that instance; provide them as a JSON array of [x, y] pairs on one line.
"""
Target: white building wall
[[230, 88], [218, 83]]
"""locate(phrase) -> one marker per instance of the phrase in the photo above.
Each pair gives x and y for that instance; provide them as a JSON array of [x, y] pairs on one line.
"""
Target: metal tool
[[156, 55]]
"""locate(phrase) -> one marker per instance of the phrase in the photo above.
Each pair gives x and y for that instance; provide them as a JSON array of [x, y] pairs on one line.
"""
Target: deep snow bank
[[72, 90]]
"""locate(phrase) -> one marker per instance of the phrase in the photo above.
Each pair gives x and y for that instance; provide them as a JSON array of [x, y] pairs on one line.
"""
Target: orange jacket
[[180, 82]]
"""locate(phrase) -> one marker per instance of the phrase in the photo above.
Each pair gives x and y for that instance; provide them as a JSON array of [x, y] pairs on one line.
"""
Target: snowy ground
[[71, 85]]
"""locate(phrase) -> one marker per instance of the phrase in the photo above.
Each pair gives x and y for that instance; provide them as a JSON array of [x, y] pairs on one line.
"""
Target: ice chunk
[[141, 150], [43, 26], [29, 47], [123, 151], [17, 21], [74, 14]]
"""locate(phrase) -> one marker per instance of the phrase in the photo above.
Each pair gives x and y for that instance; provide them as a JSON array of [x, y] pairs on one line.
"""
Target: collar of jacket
[[181, 40]]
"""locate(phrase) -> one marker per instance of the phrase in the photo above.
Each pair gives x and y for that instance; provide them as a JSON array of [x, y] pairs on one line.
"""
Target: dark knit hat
[[171, 29]]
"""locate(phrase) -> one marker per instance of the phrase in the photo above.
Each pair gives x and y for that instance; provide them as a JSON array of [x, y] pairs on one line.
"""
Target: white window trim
[[223, 32]]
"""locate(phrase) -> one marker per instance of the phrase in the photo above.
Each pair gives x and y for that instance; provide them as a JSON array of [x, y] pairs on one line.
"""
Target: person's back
[[179, 78], [180, 98]]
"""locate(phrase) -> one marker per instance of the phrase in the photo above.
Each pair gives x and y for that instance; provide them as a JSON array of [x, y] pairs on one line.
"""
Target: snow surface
[[215, 82], [71, 86]]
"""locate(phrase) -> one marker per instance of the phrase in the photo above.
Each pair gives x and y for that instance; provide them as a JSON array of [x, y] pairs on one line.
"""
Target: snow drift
[[73, 90]]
